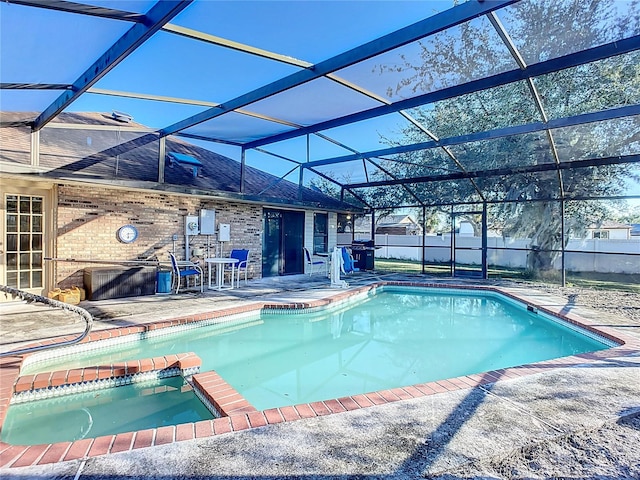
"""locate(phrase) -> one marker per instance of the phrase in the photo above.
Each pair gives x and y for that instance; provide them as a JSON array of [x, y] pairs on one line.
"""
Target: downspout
[[373, 226], [562, 252], [453, 243], [242, 169], [162, 151], [485, 267], [424, 237]]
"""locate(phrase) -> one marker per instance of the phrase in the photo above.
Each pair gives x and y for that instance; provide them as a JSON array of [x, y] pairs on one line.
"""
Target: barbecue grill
[[363, 252]]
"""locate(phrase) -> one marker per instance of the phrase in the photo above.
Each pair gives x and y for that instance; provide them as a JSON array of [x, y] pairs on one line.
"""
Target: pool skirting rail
[[30, 297], [68, 382]]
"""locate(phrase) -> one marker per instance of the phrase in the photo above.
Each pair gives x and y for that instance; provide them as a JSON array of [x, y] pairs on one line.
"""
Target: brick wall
[[89, 217]]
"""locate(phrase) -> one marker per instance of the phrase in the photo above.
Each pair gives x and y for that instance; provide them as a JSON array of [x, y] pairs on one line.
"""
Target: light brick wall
[[89, 217]]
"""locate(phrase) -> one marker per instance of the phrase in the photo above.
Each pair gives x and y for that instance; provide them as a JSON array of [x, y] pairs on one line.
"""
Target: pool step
[[77, 380], [215, 392]]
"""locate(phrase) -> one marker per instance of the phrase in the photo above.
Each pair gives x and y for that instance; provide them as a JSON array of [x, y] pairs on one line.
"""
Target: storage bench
[[102, 283]]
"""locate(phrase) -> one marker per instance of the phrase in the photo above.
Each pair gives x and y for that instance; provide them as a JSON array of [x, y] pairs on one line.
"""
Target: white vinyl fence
[[588, 255]]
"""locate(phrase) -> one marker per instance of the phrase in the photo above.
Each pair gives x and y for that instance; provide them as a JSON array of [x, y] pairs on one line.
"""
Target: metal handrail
[[30, 298]]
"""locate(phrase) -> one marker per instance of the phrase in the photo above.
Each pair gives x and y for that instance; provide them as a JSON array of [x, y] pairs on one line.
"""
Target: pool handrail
[[30, 298]]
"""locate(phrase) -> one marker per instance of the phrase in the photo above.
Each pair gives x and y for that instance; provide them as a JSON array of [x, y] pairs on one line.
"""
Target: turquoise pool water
[[103, 412], [395, 338]]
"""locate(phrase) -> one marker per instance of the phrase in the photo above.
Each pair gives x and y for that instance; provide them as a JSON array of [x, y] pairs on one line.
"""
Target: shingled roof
[[130, 153]]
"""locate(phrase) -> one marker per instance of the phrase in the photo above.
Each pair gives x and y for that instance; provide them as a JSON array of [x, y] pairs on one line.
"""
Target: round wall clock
[[127, 234]]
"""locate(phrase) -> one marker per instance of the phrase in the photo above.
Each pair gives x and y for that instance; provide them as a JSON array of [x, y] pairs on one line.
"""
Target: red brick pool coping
[[237, 413]]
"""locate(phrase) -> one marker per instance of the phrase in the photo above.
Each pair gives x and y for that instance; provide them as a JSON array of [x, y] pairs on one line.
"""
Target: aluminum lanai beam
[[439, 22], [549, 66], [545, 167], [241, 47], [333, 180], [82, 9], [574, 120], [155, 18], [418, 164], [409, 190], [35, 86], [147, 96], [266, 152], [281, 157], [529, 200], [207, 139], [278, 180], [185, 101]]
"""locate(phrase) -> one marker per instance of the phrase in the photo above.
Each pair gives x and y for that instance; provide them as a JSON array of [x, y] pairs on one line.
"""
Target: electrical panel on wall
[[207, 222], [224, 232], [191, 225]]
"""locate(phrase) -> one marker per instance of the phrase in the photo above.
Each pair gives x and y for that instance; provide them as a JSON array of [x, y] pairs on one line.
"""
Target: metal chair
[[242, 265], [348, 264], [318, 265], [185, 269]]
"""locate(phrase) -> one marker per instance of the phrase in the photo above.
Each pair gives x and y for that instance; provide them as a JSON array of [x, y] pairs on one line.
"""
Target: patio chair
[[185, 269], [348, 264], [242, 265], [314, 264]]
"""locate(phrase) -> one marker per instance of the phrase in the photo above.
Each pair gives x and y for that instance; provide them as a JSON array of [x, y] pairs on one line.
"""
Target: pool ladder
[[30, 298]]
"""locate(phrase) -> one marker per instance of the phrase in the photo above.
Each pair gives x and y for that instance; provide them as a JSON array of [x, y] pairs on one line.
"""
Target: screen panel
[[512, 151], [150, 113], [457, 55], [612, 82], [108, 154], [498, 107], [50, 41], [598, 139], [237, 127], [27, 100], [544, 29]]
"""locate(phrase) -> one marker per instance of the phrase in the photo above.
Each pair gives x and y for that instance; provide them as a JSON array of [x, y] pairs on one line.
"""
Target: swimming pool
[[398, 336], [128, 408]]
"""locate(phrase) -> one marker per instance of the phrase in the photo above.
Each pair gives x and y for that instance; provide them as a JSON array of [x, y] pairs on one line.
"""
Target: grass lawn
[[604, 281]]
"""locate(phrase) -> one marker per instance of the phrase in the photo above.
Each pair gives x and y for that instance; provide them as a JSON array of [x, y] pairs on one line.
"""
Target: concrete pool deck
[[417, 436]]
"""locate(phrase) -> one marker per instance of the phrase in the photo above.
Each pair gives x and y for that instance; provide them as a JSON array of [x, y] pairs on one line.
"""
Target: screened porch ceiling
[[381, 104]]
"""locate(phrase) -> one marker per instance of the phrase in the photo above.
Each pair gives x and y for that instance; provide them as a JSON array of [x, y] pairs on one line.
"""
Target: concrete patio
[[426, 436]]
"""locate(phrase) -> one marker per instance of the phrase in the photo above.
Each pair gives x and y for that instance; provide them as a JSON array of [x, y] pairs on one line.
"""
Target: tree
[[541, 30], [629, 215]]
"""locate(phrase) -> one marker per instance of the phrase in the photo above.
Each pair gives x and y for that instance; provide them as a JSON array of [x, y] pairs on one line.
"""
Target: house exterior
[[609, 230], [388, 224], [69, 189]]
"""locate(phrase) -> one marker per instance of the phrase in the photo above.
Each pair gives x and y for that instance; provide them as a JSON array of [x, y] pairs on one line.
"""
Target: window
[[320, 232], [601, 234], [344, 223], [25, 241]]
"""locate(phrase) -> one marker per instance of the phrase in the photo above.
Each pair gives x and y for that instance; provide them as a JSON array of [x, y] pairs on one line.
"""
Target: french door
[[24, 223]]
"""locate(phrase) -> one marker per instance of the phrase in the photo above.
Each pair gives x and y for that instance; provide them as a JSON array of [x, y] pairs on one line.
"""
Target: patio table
[[220, 262]]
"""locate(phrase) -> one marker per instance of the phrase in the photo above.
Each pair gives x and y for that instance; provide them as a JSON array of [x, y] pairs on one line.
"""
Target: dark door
[[293, 228], [282, 242], [271, 243]]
